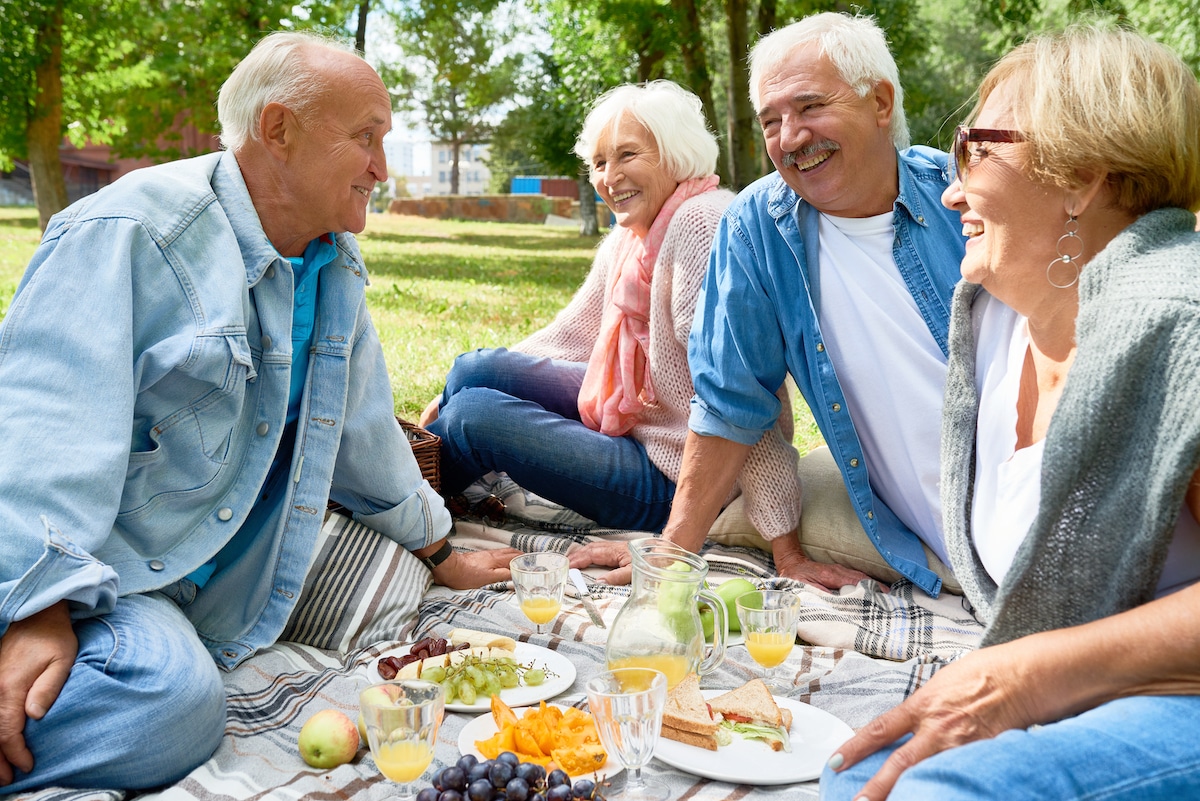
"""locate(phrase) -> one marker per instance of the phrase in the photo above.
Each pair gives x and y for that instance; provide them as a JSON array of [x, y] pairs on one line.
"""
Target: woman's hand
[[983, 694], [431, 412], [606, 553], [36, 656]]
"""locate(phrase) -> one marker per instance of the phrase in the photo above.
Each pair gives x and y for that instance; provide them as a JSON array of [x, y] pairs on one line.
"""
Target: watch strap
[[438, 556]]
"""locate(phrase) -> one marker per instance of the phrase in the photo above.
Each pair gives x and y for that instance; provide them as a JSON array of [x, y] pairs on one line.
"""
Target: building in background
[[474, 177]]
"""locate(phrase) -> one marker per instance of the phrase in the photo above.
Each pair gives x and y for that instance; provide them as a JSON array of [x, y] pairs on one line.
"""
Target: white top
[[1008, 482], [888, 364]]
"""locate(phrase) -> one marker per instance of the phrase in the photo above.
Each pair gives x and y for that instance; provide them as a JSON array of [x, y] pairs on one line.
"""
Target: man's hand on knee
[[36, 655]]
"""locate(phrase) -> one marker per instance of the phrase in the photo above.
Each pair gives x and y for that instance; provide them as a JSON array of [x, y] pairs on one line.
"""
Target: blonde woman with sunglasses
[[1070, 443]]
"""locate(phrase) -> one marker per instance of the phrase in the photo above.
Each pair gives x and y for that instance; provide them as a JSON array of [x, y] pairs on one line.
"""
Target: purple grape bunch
[[506, 778]]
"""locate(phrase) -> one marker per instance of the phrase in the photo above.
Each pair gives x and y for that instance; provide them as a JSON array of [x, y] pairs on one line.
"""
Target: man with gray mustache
[[838, 269]]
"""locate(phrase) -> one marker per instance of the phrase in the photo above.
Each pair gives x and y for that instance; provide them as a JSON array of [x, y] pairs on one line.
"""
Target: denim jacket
[[757, 320], [144, 372]]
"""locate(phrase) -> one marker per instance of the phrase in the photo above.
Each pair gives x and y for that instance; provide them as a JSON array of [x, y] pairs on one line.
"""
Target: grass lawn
[[438, 288]]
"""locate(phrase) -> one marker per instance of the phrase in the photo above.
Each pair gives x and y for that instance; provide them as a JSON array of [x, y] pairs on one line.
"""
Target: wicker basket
[[427, 447]]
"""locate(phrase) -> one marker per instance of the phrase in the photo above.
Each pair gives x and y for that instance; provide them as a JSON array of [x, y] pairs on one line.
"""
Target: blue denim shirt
[[757, 320], [144, 371]]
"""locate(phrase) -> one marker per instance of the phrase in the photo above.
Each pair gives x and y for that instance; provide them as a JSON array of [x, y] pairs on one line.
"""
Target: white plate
[[484, 727], [815, 735], [525, 654]]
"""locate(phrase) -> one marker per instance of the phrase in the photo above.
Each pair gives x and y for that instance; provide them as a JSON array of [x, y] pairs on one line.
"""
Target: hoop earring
[[1071, 226]]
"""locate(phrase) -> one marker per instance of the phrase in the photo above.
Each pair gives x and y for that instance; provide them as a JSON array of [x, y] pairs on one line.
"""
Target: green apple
[[674, 596], [708, 622], [729, 591], [375, 694], [328, 739]]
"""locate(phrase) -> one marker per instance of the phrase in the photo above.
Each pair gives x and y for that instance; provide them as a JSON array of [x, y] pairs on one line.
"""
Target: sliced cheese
[[482, 639]]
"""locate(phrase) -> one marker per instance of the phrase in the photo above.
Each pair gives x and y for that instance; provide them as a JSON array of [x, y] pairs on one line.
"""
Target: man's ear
[[885, 102], [278, 128]]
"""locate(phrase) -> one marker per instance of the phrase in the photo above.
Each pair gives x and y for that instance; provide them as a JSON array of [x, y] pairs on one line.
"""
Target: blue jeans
[[143, 705], [1142, 748], [510, 412]]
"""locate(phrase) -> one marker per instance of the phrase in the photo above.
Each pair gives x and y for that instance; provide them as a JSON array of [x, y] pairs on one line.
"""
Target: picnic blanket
[[875, 649]]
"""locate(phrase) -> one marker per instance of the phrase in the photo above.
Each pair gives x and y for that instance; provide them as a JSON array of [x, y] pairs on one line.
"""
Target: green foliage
[[456, 70]]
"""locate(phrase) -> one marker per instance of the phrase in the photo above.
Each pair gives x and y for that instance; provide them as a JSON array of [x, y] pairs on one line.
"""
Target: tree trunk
[[589, 225], [455, 152], [43, 132], [695, 66], [766, 23], [360, 36], [742, 165]]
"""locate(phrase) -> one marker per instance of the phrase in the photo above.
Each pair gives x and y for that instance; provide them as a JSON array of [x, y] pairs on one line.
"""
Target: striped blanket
[[874, 649]]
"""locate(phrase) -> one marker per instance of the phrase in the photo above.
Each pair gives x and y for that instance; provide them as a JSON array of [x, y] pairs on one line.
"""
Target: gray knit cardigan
[[1121, 446]]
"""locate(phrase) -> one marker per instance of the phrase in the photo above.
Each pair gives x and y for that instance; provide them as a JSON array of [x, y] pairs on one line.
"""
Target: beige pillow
[[829, 528]]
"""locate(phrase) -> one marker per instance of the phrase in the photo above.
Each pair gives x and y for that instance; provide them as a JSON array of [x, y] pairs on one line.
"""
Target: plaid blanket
[[875, 649]]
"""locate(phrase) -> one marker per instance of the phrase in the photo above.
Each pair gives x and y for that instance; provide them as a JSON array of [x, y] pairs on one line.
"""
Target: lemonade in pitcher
[[659, 626], [673, 667]]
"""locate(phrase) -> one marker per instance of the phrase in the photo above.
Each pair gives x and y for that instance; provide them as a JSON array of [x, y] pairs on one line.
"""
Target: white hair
[[856, 47], [672, 115], [275, 71]]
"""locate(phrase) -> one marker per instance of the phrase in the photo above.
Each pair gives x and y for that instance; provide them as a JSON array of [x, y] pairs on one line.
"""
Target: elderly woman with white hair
[[591, 411]]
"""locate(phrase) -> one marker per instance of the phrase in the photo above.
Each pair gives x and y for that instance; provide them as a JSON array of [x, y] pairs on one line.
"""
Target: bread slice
[[708, 741], [750, 703], [686, 710]]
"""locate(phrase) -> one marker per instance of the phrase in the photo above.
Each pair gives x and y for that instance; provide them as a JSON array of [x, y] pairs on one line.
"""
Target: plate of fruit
[[549, 735], [472, 666]]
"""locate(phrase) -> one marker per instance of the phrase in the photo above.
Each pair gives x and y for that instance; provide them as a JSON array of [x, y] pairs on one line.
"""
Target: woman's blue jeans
[[143, 705], [1144, 748], [510, 412]]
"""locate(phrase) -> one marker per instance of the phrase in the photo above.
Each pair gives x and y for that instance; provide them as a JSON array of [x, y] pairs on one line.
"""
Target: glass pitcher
[[659, 626]]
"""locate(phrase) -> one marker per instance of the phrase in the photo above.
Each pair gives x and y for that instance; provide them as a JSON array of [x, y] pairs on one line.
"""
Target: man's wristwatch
[[438, 556]]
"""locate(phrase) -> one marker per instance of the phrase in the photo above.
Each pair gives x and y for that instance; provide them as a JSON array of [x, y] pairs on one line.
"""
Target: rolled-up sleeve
[[735, 350]]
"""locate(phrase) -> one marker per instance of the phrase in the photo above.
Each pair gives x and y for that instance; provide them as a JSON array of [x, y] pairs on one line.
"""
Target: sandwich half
[[751, 712], [687, 718]]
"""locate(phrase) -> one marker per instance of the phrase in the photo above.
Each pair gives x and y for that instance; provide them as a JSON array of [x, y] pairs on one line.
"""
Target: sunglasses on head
[[960, 161]]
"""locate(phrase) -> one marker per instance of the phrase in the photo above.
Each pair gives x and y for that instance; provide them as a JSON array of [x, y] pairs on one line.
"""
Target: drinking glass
[[627, 704], [539, 579], [769, 624], [402, 720]]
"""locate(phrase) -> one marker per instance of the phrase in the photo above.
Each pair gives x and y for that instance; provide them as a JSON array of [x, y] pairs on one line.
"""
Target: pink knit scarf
[[617, 386]]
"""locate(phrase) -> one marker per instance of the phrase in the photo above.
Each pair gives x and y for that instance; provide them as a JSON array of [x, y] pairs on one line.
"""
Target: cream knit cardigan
[[769, 478]]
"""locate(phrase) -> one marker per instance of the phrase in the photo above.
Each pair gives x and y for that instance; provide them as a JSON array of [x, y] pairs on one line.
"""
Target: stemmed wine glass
[[402, 720], [539, 579], [769, 623], [627, 704]]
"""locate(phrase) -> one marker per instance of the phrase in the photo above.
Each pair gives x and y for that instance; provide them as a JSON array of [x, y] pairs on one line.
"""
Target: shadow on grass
[[505, 241], [502, 269], [18, 221]]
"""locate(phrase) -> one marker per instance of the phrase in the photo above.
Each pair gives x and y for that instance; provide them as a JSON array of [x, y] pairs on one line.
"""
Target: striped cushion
[[361, 588]]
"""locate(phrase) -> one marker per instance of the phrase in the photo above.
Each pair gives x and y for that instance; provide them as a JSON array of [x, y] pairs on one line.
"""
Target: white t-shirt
[[889, 366], [1008, 482]]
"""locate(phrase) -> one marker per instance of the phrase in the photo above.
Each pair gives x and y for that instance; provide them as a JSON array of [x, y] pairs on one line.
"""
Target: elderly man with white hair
[[188, 373]]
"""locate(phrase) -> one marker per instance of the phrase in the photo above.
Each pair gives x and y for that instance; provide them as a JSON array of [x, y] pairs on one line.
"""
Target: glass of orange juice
[[539, 579], [401, 719], [768, 620]]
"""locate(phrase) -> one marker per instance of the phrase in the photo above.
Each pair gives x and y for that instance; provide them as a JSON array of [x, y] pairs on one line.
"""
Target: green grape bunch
[[475, 677]]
